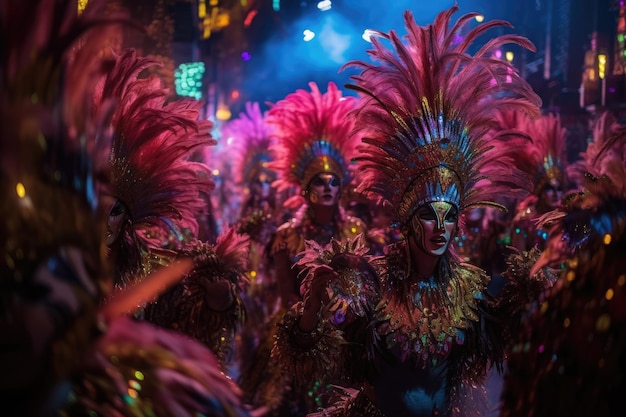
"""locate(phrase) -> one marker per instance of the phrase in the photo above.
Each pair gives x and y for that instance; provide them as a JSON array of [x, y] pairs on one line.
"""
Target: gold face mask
[[433, 225]]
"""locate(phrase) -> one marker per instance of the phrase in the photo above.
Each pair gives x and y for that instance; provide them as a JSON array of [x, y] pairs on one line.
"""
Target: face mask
[[324, 189], [433, 226]]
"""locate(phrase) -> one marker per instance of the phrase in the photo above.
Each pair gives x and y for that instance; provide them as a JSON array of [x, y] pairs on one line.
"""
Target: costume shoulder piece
[[185, 309]]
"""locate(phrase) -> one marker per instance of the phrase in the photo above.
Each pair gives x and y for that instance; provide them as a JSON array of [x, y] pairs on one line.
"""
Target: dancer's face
[[324, 189], [552, 195], [433, 226], [117, 218], [262, 186]]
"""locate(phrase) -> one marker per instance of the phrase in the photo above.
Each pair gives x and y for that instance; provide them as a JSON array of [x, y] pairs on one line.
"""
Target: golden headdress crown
[[313, 136], [426, 110]]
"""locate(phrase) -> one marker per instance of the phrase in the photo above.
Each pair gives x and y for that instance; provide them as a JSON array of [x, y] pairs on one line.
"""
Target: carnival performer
[[249, 149], [314, 151], [575, 335], [158, 197], [61, 354], [156, 188], [422, 343], [251, 152], [545, 160], [313, 156]]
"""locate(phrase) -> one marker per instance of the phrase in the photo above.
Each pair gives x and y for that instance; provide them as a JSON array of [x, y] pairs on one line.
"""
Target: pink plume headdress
[[250, 150], [426, 110], [597, 215], [545, 159], [313, 136], [152, 173], [597, 158]]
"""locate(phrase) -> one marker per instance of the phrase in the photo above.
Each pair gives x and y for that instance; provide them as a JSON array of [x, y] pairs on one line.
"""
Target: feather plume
[[545, 159], [600, 151], [598, 212], [151, 170], [312, 135], [426, 111], [250, 150], [165, 372]]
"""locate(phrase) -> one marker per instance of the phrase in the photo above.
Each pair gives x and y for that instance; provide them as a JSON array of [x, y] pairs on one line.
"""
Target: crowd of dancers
[[375, 254]]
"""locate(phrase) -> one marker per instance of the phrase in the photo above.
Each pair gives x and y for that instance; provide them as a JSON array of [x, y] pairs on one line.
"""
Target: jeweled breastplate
[[422, 319]]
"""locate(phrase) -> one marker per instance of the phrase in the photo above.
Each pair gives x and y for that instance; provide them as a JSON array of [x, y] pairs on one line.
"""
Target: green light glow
[[188, 79]]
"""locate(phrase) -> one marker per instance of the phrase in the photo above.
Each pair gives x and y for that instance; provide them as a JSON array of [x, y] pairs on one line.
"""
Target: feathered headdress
[[545, 159], [152, 173], [599, 211], [313, 136], [427, 107], [594, 159], [250, 150]]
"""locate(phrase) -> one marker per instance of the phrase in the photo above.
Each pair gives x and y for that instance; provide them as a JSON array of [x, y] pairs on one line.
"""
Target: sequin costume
[[53, 264], [313, 136], [575, 336], [425, 344]]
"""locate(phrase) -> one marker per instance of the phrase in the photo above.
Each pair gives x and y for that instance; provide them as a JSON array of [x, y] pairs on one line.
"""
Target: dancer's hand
[[320, 290], [318, 296]]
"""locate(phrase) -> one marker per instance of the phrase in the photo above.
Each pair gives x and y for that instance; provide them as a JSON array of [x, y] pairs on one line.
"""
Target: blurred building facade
[[578, 66]]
